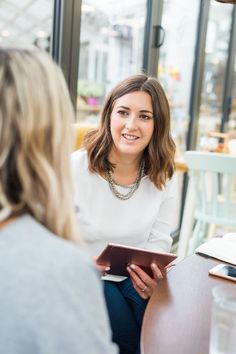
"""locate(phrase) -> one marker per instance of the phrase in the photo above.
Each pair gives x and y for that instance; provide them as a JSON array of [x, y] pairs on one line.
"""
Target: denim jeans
[[126, 309]]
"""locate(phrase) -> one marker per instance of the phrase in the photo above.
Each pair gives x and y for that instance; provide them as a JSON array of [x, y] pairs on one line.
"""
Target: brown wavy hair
[[159, 154]]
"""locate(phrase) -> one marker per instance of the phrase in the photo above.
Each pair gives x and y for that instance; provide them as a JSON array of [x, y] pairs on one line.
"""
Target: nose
[[131, 123]]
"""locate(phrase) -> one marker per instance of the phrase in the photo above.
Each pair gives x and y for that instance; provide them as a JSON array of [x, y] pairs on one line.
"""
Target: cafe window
[[232, 123], [175, 67], [215, 65], [26, 22], [176, 59], [111, 48]]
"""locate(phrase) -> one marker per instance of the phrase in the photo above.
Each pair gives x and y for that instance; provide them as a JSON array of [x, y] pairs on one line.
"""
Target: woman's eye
[[122, 113], [145, 117]]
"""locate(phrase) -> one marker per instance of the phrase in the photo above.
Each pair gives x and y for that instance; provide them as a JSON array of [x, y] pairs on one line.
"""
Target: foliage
[[88, 88]]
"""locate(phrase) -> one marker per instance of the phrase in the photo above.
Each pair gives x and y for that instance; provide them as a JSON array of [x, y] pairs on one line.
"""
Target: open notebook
[[222, 248]]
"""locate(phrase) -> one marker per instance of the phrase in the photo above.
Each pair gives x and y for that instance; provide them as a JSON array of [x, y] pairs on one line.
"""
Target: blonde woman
[[50, 296]]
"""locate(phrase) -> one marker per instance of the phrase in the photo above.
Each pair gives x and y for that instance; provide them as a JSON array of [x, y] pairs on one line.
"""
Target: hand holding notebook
[[118, 257]]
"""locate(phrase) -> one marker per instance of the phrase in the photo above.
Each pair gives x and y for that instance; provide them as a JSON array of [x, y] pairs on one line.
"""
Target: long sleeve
[[159, 238]]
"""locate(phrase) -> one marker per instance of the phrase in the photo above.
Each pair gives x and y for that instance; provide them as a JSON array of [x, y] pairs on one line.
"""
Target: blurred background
[[189, 45]]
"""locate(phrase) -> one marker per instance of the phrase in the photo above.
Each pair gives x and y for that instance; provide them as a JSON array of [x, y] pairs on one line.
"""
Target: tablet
[[118, 257]]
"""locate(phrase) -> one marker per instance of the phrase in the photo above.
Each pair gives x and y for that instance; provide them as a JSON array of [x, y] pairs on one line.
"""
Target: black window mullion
[[153, 23], [197, 77], [56, 25], [66, 41]]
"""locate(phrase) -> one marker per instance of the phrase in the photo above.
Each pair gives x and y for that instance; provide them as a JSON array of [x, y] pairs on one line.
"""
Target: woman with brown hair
[[126, 193], [51, 299]]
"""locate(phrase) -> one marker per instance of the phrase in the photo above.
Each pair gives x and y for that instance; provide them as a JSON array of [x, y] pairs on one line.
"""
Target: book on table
[[222, 248]]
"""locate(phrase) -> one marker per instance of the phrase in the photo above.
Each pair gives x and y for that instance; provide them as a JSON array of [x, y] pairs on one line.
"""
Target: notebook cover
[[118, 257]]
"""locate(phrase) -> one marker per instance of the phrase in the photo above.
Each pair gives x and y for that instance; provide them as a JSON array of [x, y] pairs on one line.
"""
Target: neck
[[126, 168]]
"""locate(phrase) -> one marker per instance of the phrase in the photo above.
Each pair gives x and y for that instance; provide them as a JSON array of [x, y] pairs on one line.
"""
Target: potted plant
[[90, 91]]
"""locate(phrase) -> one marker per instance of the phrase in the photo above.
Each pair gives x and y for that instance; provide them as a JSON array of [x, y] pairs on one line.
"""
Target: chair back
[[213, 176], [80, 132]]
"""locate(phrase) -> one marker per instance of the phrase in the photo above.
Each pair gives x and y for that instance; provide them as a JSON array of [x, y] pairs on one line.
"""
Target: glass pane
[[26, 22], [175, 69], [176, 62], [216, 53], [232, 116], [111, 48]]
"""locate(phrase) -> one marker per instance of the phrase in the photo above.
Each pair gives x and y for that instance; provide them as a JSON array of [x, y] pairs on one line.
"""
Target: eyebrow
[[142, 110]]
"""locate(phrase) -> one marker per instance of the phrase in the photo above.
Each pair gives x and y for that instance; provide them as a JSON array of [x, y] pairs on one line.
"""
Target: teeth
[[130, 137]]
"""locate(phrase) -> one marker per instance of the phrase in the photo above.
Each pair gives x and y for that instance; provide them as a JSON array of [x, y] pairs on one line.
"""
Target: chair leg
[[187, 221], [204, 233], [211, 231], [198, 235]]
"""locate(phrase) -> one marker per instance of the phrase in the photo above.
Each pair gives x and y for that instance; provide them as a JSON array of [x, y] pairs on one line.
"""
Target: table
[[177, 318]]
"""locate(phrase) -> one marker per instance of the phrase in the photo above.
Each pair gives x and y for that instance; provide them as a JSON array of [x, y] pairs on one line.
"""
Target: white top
[[145, 220]]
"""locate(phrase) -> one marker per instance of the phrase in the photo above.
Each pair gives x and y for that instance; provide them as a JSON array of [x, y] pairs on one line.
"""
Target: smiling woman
[[125, 189], [132, 126]]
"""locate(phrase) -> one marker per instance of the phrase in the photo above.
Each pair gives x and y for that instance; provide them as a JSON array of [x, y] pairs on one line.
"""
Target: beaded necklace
[[131, 188]]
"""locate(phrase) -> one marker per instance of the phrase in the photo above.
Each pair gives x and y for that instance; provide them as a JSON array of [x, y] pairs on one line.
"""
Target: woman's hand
[[101, 268], [142, 282]]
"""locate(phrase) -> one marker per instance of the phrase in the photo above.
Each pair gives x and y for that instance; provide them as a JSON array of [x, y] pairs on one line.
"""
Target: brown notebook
[[119, 256]]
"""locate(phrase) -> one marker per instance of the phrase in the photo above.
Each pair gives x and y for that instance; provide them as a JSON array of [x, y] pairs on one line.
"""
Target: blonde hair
[[36, 117]]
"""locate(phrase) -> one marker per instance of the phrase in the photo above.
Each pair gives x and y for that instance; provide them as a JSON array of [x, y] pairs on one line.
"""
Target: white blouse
[[145, 220]]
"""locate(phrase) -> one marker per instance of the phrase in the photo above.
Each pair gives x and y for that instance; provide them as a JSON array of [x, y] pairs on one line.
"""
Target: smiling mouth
[[130, 137]]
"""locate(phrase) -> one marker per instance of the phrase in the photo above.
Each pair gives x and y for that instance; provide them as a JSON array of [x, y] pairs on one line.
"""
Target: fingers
[[142, 289], [141, 274], [102, 268], [142, 282], [157, 273]]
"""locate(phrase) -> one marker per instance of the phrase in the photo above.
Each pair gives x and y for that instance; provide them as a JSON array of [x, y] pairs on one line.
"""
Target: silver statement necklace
[[131, 188]]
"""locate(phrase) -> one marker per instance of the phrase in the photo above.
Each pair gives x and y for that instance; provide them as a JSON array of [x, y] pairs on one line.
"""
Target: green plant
[[88, 88]]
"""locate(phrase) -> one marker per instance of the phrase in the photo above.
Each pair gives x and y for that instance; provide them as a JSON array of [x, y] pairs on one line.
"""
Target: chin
[[131, 151]]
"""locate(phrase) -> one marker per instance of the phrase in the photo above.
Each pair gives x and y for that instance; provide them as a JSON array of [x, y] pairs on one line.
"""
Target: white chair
[[210, 197]]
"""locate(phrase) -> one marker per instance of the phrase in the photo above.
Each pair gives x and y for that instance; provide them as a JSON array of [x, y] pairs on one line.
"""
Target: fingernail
[[132, 266], [107, 268], [129, 270], [153, 265]]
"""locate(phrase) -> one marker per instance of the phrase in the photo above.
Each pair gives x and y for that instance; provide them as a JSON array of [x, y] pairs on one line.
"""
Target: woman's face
[[132, 123]]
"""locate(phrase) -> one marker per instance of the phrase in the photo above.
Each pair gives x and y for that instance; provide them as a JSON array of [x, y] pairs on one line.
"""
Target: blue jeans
[[126, 309]]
